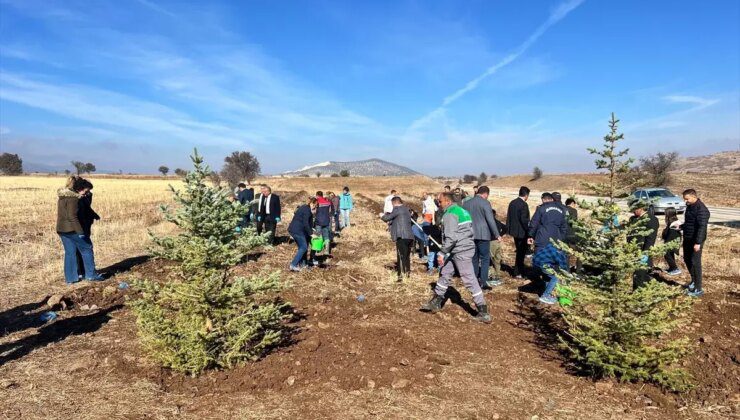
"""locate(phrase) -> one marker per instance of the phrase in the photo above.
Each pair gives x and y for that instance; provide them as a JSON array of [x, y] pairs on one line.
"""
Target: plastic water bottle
[[361, 298], [48, 316]]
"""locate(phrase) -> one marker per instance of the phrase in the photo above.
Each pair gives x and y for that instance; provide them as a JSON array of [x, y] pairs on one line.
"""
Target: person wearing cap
[[648, 221], [548, 224]]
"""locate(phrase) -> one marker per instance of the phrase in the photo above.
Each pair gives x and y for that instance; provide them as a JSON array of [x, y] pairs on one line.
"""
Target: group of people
[[457, 233], [470, 237], [693, 230], [323, 215], [75, 217]]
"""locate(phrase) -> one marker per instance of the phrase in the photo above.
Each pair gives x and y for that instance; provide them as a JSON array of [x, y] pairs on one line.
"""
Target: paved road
[[729, 216]]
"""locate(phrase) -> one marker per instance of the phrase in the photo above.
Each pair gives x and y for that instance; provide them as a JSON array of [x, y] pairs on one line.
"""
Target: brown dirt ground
[[349, 359]]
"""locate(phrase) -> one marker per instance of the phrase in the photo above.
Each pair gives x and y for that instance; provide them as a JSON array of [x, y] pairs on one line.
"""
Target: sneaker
[[548, 300], [96, 277], [73, 281], [673, 272], [518, 276], [695, 293], [294, 268], [690, 286], [494, 282]]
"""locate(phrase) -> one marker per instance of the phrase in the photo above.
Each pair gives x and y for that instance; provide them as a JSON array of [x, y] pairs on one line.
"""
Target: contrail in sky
[[559, 13]]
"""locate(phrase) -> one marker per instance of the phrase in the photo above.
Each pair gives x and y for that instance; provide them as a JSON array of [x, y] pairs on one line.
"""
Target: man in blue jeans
[[72, 235], [548, 224], [484, 230]]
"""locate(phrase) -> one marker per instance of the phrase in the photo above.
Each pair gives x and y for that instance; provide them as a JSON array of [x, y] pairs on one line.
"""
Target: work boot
[[434, 305], [483, 315]]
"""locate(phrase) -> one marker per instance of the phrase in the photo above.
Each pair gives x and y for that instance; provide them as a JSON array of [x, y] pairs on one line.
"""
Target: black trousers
[[693, 263], [268, 225], [521, 251], [670, 259], [403, 256]]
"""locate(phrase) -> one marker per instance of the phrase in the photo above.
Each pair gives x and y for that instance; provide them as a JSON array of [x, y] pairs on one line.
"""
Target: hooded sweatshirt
[[67, 220], [345, 201]]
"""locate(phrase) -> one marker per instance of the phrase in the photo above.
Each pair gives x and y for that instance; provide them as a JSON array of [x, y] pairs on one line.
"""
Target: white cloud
[[692, 100]]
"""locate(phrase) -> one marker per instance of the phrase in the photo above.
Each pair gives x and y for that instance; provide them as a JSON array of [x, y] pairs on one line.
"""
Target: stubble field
[[349, 359]]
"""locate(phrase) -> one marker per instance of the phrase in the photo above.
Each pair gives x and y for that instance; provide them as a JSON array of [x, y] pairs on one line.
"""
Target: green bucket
[[317, 243], [565, 295]]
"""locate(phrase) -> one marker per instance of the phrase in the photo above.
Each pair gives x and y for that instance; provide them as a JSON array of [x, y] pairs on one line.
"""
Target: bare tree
[[536, 173], [240, 166], [79, 166], [482, 178], [656, 169]]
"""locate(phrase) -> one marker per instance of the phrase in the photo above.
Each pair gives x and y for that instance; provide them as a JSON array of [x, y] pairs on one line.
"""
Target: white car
[[660, 199]]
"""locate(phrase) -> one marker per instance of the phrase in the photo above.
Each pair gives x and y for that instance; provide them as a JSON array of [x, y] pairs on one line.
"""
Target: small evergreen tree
[[207, 220], [202, 317], [164, 170], [613, 330]]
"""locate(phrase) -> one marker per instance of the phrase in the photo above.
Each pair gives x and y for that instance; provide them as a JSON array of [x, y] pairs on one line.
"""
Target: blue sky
[[443, 87]]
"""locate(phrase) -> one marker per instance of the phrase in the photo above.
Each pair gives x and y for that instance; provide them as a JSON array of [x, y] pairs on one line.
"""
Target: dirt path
[[351, 358]]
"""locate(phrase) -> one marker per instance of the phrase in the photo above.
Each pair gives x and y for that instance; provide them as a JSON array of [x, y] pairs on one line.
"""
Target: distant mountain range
[[369, 167]]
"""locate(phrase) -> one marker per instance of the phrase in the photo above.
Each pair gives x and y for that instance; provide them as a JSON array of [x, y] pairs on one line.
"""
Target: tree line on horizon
[[653, 170]]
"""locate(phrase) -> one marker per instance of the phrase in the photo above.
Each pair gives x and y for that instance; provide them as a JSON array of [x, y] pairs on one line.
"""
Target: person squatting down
[[457, 251], [548, 223]]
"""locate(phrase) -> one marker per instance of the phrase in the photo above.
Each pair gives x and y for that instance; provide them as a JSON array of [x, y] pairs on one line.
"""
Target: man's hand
[[697, 248], [500, 239], [440, 260], [530, 241]]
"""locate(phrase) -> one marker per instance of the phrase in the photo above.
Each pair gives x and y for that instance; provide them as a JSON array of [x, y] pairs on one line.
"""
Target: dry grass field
[[378, 358]]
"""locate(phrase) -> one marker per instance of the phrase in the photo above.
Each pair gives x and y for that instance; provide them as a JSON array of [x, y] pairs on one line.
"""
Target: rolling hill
[[369, 167]]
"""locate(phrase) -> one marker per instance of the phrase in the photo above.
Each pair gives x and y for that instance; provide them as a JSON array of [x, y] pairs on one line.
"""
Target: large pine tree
[[613, 330], [202, 317]]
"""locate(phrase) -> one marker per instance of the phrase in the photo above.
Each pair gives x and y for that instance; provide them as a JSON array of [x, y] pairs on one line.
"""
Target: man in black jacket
[[694, 228], [87, 216], [517, 222], [402, 235], [268, 212], [650, 222], [245, 197]]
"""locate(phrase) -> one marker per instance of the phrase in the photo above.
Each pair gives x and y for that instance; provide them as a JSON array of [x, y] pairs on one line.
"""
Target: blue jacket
[[302, 221], [245, 196], [345, 201], [548, 223]]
